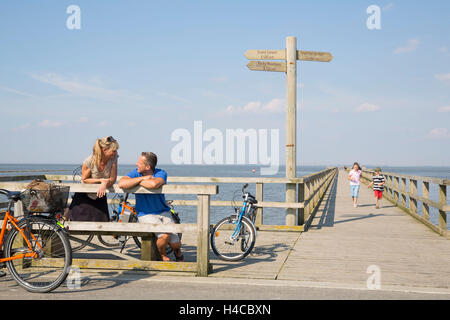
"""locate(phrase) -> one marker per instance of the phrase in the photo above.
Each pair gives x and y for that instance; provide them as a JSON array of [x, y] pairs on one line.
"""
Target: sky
[[141, 70]]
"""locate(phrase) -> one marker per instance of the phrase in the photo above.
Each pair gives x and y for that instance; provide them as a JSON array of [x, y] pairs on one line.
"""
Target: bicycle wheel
[[134, 219], [230, 248], [50, 267], [109, 241], [115, 241]]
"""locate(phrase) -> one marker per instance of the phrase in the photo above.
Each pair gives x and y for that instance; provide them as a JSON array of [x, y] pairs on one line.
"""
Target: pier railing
[[309, 190], [403, 191], [203, 193]]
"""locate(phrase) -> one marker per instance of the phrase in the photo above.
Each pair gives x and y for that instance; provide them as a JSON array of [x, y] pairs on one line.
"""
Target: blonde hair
[[108, 143]]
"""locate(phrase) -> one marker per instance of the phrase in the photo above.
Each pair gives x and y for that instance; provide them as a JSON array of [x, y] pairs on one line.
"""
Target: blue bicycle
[[233, 237]]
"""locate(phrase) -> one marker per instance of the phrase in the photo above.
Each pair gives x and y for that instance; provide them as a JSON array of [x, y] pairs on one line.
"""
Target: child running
[[355, 176], [378, 185]]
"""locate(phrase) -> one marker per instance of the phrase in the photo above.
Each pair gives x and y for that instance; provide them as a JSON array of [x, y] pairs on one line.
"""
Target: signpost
[[290, 55], [281, 55], [267, 66]]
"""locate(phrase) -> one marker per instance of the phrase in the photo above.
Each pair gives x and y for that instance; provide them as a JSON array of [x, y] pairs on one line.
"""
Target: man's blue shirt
[[150, 203]]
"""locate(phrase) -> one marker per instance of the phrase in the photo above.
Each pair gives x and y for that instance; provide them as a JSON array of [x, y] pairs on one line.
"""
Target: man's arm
[[152, 183], [126, 182]]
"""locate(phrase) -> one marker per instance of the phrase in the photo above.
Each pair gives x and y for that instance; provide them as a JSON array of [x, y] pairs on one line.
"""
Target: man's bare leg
[[176, 247], [162, 243]]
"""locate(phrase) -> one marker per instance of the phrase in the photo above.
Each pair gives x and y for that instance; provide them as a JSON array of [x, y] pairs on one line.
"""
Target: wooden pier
[[337, 245], [343, 242]]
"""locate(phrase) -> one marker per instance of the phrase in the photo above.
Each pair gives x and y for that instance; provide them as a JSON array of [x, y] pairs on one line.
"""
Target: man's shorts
[[163, 218], [378, 194], [354, 191]]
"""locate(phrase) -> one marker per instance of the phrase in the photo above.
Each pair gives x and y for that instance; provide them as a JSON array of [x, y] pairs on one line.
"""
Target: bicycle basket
[[45, 201]]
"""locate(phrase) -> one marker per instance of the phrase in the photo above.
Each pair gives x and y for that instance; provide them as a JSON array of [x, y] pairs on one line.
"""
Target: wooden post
[[412, 196], [203, 235], [396, 187], [259, 198], [442, 202], [306, 197], [301, 198], [291, 213], [391, 187], [426, 195], [389, 183], [315, 187], [291, 124], [149, 250], [403, 192]]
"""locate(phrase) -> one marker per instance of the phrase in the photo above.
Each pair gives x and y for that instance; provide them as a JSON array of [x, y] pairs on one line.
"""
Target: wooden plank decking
[[340, 245], [344, 241]]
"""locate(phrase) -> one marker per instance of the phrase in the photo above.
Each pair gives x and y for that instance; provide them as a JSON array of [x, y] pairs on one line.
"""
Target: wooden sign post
[[290, 55]]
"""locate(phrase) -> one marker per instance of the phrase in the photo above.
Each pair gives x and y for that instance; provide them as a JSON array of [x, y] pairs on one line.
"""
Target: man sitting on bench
[[152, 208]]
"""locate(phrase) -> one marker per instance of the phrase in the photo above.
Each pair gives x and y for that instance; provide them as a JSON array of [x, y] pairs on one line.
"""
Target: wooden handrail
[[166, 189], [315, 182], [203, 193], [396, 193]]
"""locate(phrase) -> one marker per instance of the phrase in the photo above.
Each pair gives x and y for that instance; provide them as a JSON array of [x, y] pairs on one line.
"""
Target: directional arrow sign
[[267, 66], [266, 54], [281, 55], [314, 56]]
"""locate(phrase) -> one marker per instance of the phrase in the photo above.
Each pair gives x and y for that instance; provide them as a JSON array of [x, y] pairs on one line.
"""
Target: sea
[[232, 191]]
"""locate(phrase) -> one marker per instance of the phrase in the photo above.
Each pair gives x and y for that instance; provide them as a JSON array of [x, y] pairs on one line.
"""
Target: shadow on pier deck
[[342, 242]]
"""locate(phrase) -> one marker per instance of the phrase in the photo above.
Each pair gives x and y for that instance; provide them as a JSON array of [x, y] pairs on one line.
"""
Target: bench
[[146, 231]]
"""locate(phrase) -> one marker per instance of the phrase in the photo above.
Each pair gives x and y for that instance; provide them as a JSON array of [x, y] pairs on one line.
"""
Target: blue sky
[[138, 70]]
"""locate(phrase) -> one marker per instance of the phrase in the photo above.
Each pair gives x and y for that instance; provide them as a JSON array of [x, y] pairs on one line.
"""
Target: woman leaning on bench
[[99, 168]]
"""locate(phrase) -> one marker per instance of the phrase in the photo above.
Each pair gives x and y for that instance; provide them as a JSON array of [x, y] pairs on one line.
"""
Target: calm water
[[230, 191]]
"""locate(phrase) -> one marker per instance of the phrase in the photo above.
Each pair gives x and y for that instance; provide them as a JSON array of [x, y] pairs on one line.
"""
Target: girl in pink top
[[354, 176]]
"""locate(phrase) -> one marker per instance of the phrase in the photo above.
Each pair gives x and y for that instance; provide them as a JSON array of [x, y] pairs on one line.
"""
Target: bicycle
[[36, 251], [123, 212], [79, 242], [233, 237], [127, 213]]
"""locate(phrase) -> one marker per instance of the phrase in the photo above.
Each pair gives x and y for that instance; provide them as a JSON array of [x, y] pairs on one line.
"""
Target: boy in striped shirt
[[378, 185]]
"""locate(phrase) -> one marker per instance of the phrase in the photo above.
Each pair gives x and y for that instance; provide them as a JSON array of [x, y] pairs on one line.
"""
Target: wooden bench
[[146, 231], [203, 192]]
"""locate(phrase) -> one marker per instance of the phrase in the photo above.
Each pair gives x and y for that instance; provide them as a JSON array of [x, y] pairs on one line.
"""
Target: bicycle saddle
[[11, 195]]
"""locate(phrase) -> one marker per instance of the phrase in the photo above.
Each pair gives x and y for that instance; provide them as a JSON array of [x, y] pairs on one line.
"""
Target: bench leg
[[149, 250]]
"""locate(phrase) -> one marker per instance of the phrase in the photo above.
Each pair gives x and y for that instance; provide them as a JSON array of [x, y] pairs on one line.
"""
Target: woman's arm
[[86, 175], [113, 176], [106, 183]]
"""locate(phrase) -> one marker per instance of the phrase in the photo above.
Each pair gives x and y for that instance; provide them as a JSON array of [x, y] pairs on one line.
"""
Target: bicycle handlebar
[[245, 195]]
